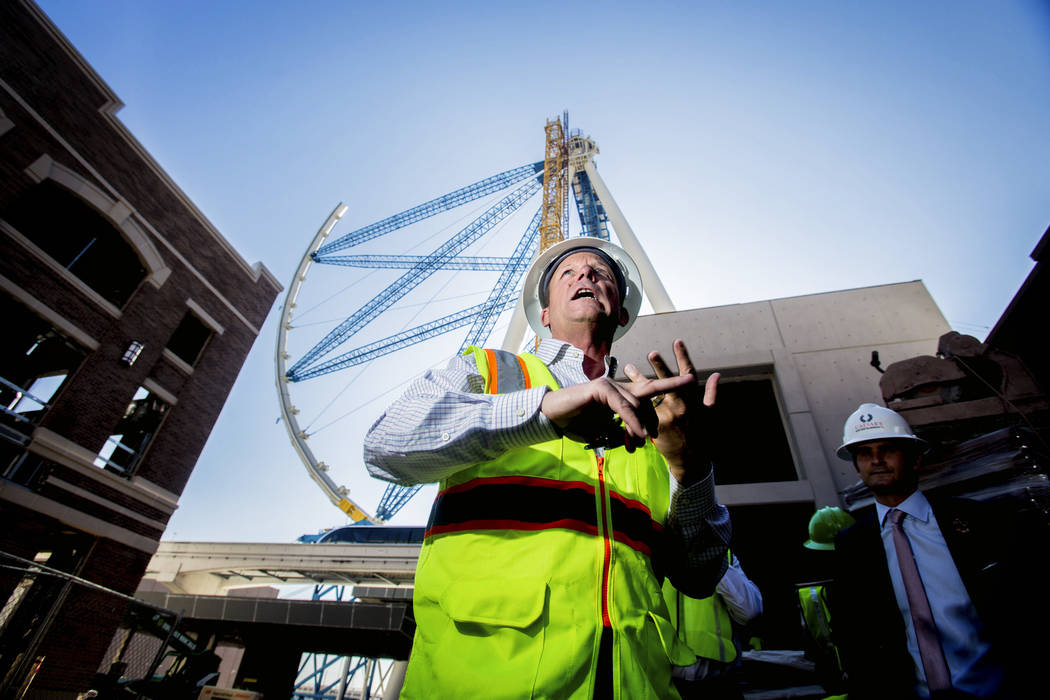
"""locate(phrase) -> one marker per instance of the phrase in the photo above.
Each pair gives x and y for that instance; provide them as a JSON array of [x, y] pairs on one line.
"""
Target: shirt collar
[[914, 505], [552, 351]]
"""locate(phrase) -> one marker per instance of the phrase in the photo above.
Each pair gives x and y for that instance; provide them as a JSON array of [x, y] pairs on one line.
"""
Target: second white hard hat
[[874, 422], [531, 293]]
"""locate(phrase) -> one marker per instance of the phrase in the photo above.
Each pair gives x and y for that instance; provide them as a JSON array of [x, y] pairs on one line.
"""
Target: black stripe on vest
[[528, 503]]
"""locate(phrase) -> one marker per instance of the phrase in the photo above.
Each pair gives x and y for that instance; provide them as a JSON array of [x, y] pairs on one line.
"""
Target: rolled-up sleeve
[[443, 423]]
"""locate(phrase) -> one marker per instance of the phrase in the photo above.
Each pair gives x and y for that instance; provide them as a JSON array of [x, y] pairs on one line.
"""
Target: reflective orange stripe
[[607, 558], [493, 372], [524, 372]]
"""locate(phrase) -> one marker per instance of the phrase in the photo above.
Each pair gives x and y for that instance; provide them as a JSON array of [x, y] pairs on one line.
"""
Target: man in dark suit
[[933, 597]]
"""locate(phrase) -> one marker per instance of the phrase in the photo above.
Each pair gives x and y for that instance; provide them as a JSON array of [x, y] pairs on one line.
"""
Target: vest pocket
[[515, 603], [488, 638]]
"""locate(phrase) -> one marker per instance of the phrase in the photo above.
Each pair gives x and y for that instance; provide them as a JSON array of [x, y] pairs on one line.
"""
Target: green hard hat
[[824, 525]]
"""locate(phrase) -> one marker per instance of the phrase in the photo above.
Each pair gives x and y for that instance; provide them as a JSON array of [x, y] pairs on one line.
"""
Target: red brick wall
[[94, 399], [84, 626], [37, 67]]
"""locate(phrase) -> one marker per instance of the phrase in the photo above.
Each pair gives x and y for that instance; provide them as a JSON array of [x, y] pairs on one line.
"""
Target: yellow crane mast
[[555, 185]]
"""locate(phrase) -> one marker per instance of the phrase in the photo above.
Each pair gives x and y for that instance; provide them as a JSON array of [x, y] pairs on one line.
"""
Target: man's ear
[[624, 316], [545, 316]]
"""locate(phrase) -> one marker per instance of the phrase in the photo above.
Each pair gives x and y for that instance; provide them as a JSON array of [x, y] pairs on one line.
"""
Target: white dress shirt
[[962, 639]]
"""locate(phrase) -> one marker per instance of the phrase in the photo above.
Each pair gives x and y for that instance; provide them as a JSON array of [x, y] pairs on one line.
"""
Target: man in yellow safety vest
[[564, 499], [824, 525], [708, 627]]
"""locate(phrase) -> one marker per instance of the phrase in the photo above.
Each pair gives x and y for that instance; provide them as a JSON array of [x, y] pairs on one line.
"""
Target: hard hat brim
[[530, 294], [820, 546], [844, 451]]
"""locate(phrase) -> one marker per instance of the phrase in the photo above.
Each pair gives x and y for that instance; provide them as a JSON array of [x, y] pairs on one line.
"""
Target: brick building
[[127, 319]]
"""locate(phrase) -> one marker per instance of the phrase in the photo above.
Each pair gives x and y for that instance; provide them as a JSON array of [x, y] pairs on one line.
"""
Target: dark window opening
[[189, 339], [768, 541], [127, 444], [80, 239], [750, 444], [23, 467], [35, 362]]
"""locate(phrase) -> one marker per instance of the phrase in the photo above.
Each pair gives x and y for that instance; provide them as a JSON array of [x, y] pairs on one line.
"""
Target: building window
[[752, 445], [24, 467], [80, 239], [189, 339], [124, 448], [36, 360]]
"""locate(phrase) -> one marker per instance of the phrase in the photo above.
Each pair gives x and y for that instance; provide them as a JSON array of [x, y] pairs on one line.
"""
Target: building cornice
[[58, 448]]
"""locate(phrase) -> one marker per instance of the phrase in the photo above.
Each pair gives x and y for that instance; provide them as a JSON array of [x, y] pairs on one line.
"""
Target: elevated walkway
[[200, 581], [212, 568]]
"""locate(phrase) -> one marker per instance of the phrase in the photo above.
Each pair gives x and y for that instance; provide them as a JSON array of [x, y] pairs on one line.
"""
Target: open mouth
[[583, 294]]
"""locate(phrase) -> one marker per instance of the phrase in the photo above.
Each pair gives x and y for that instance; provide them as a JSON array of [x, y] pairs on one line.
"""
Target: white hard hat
[[533, 298], [874, 422]]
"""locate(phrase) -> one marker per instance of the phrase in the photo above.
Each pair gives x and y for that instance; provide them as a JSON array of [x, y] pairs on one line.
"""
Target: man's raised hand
[[604, 412], [683, 434]]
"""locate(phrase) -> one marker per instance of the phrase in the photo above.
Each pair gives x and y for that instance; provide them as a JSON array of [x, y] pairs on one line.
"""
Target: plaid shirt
[[444, 423]]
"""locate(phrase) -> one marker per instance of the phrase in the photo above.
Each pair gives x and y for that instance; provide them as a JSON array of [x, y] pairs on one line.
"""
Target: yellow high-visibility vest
[[817, 617], [527, 558]]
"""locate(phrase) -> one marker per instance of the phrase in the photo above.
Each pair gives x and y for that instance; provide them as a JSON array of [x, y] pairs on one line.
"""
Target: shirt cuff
[[517, 419], [694, 501]]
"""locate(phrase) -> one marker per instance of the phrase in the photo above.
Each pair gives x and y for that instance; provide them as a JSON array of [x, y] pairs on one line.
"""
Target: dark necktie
[[937, 675]]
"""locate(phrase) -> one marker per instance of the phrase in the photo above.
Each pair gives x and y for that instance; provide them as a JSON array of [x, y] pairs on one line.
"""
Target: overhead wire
[[468, 295], [388, 391], [418, 244]]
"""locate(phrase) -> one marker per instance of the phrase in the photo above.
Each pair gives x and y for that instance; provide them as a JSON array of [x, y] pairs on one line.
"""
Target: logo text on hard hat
[[874, 425]]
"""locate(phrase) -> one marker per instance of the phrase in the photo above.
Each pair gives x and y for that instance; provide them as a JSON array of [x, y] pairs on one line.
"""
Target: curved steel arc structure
[[317, 470], [596, 209]]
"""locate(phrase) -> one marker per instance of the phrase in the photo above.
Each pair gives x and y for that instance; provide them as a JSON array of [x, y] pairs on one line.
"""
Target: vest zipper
[[606, 541]]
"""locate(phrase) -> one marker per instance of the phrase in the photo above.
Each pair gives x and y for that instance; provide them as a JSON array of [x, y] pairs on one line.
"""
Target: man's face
[[887, 466], [583, 289]]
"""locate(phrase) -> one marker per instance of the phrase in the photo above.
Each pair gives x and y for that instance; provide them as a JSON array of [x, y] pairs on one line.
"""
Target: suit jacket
[[998, 551]]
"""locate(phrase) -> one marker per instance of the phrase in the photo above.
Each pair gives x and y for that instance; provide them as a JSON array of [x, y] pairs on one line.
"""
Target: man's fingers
[[711, 389], [659, 366], [681, 354], [662, 386], [644, 388], [626, 404], [645, 408]]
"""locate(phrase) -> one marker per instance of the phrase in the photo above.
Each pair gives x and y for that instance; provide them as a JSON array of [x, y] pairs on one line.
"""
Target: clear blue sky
[[758, 149]]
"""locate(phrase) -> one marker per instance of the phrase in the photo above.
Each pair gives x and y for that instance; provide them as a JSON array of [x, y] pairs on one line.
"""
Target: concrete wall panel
[[715, 332], [856, 317]]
